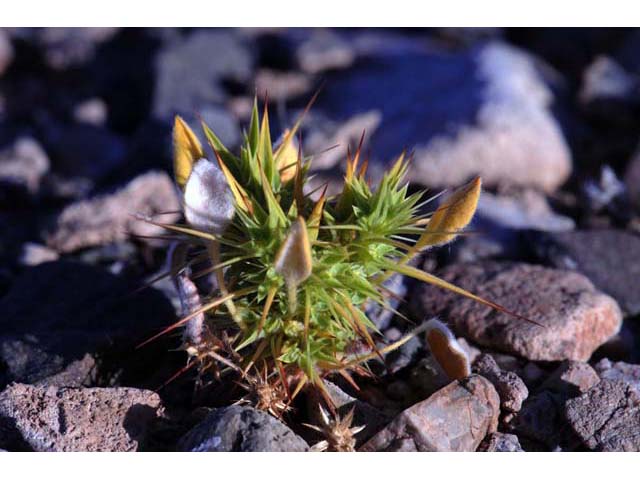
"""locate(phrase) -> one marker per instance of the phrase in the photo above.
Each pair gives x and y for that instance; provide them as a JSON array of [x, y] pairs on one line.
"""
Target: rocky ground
[[549, 118]]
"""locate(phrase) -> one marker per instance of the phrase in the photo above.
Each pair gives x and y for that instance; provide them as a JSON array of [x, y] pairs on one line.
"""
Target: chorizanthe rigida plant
[[291, 275]]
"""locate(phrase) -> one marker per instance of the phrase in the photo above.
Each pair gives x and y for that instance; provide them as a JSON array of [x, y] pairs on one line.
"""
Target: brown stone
[[455, 418], [607, 417], [577, 318], [571, 379], [510, 387]]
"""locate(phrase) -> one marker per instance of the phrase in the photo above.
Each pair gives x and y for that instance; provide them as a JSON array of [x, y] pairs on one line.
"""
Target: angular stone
[[625, 372], [241, 429], [577, 318], [109, 218], [500, 442], [455, 418], [571, 379], [510, 387], [22, 166], [607, 417], [50, 419]]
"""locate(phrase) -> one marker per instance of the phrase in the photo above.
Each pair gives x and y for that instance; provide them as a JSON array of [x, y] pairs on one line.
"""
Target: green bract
[[294, 273]]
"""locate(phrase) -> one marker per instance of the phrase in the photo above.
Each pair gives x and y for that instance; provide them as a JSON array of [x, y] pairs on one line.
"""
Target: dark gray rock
[[577, 318], [500, 442], [607, 417], [607, 257], [6, 52], [510, 387], [541, 419], [50, 419], [57, 313], [84, 150], [187, 78], [481, 111], [241, 429]]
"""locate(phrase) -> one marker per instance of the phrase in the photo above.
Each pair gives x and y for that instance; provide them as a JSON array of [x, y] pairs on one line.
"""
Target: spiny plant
[[293, 270]]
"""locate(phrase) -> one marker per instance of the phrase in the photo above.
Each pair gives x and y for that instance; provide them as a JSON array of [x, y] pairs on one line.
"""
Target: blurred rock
[[22, 168], [218, 119], [606, 81], [607, 257], [241, 429], [50, 419], [632, 179], [607, 417], [92, 111], [500, 442], [6, 51], [65, 47], [328, 139], [456, 418], [188, 78], [324, 50], [34, 254], [58, 312], [511, 389], [577, 318], [482, 111], [620, 371], [109, 218], [84, 150], [571, 379], [527, 209], [281, 86]]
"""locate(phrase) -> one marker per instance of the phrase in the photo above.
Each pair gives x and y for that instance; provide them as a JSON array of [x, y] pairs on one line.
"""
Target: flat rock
[[607, 417], [57, 313], [455, 418], [484, 110], [50, 419], [613, 270], [577, 318], [510, 387], [109, 218], [241, 429], [500, 442], [625, 372]]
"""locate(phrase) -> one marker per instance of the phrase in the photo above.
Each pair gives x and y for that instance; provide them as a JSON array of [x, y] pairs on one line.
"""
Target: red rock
[[577, 318], [455, 418]]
